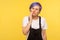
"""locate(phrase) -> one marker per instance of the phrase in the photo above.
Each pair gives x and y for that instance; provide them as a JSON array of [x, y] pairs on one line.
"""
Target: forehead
[[36, 6]]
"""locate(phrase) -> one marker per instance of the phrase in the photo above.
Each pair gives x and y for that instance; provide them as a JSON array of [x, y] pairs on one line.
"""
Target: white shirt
[[35, 23]]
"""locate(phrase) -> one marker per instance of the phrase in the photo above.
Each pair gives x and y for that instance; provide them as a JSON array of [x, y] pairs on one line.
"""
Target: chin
[[33, 15]]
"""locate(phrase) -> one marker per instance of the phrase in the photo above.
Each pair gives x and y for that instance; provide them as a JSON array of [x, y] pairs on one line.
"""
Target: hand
[[30, 17]]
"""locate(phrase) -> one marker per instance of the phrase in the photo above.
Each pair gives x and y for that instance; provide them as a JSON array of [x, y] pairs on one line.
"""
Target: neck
[[35, 17]]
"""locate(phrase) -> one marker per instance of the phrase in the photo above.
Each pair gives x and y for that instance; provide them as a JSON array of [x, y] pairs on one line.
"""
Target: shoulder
[[43, 18], [25, 17], [25, 21]]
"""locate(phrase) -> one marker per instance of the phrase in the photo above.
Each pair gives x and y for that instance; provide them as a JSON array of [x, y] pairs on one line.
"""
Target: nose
[[33, 11]]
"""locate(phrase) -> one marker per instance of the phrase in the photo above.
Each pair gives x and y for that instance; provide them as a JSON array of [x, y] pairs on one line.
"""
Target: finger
[[31, 13]]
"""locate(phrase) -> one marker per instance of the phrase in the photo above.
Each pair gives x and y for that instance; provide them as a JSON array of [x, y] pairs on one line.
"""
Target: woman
[[34, 26]]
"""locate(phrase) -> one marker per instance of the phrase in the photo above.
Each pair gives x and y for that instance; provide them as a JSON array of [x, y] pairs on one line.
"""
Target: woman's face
[[35, 10]]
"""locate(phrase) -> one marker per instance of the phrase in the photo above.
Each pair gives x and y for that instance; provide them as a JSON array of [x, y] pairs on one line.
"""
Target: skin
[[34, 12]]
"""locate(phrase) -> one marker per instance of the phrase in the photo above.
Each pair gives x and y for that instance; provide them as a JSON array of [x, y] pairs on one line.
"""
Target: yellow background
[[13, 11]]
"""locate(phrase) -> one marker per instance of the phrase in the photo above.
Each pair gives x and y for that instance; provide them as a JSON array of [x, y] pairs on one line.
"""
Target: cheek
[[37, 11]]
